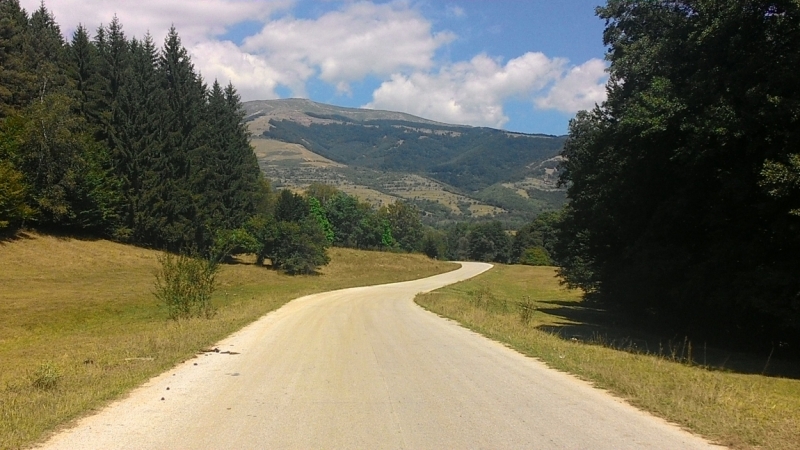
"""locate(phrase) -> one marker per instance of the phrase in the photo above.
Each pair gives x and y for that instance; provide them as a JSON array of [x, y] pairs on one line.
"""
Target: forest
[[114, 137], [684, 186]]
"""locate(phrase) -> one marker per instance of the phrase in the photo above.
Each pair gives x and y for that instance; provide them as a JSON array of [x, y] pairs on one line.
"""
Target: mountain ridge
[[292, 107], [282, 108], [451, 172]]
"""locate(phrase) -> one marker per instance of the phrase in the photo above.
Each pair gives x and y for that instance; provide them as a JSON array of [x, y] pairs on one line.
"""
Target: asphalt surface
[[366, 368]]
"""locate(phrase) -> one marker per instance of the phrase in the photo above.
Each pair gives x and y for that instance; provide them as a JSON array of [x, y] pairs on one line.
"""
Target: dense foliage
[[356, 224], [483, 241], [683, 185], [535, 243], [111, 136]]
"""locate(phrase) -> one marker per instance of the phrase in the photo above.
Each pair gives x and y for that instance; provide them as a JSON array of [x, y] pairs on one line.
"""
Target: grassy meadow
[[721, 396], [79, 325]]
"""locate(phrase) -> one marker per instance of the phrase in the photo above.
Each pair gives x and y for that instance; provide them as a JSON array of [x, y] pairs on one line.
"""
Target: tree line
[[684, 185], [112, 136]]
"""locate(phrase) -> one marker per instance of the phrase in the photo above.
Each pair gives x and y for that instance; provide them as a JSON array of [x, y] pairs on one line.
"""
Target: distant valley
[[451, 172]]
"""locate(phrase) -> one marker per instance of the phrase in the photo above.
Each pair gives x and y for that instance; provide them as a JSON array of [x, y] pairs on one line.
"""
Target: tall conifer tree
[[170, 204], [82, 69], [246, 177], [139, 134], [14, 69], [47, 54]]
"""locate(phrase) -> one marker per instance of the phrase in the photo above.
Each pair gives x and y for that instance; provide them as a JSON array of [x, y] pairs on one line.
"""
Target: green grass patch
[[526, 308], [80, 326]]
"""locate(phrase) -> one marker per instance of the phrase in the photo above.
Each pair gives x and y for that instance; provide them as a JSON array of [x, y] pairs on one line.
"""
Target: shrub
[[526, 309], [301, 248], [13, 208], [535, 256], [46, 377], [185, 284]]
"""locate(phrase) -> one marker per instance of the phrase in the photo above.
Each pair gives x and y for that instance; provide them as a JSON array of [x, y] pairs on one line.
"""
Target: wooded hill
[[511, 175]]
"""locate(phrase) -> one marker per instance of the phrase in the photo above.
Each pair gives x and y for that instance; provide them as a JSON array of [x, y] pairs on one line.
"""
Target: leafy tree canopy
[[682, 185]]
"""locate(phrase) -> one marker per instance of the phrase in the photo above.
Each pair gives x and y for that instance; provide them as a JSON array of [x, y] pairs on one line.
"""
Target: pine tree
[[168, 202], [227, 182], [244, 177], [139, 135], [210, 164], [47, 54], [114, 136], [82, 57], [111, 67], [14, 69]]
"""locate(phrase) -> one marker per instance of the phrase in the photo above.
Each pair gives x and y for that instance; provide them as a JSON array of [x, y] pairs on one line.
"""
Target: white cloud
[[340, 46], [581, 88], [470, 92], [253, 77], [196, 21], [349, 44]]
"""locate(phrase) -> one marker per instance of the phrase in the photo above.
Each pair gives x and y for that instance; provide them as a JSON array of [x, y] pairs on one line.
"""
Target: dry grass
[[79, 325], [296, 167], [415, 187], [366, 194], [271, 151], [735, 409]]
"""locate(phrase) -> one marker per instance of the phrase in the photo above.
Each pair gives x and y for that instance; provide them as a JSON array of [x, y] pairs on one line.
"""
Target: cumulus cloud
[[347, 45], [252, 75], [199, 25], [470, 92], [195, 21], [581, 88]]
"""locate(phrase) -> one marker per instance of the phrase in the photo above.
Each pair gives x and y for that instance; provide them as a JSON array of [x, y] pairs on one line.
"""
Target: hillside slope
[[452, 172]]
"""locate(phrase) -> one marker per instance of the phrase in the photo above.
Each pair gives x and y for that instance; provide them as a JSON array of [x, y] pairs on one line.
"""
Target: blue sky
[[521, 65]]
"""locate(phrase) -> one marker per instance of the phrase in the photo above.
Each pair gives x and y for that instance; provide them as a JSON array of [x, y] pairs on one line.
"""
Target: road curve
[[367, 368]]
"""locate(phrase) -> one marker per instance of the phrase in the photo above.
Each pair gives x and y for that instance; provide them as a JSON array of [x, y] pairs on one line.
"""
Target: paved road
[[367, 368]]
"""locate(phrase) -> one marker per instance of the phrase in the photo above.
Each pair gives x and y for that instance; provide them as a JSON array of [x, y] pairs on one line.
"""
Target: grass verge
[[524, 307], [79, 325]]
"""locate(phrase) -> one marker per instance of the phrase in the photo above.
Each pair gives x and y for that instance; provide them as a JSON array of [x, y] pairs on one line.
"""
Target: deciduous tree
[[675, 182]]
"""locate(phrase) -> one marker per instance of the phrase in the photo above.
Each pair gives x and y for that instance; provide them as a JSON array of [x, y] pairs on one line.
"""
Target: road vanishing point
[[366, 368]]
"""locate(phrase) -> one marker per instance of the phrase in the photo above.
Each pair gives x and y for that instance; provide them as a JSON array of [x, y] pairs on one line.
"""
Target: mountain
[[452, 172], [301, 109]]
